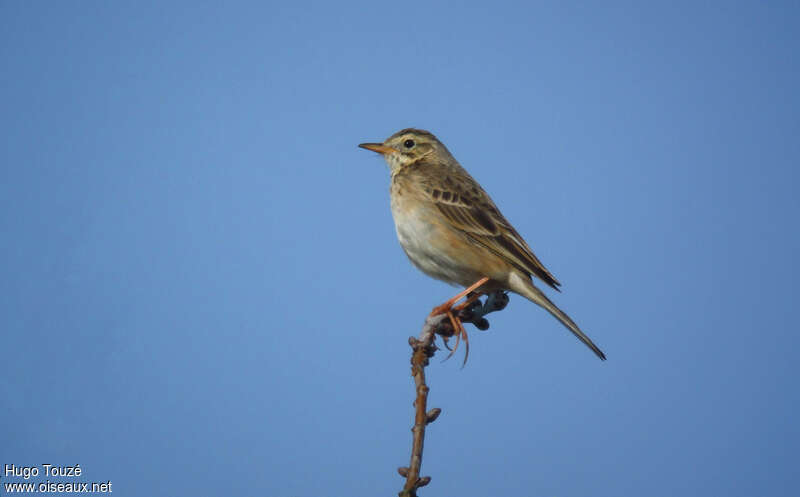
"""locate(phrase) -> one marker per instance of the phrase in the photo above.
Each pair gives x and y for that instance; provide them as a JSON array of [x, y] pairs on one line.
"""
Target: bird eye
[[408, 143]]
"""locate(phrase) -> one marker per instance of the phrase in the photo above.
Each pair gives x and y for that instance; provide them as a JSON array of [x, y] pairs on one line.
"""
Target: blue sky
[[202, 292]]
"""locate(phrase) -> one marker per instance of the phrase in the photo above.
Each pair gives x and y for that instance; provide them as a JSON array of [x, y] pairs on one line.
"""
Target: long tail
[[525, 287]]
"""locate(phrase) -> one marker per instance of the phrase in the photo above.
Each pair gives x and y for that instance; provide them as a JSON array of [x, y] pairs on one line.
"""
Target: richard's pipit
[[451, 230]]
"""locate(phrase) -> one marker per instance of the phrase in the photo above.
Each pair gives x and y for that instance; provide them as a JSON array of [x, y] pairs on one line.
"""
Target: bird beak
[[377, 147]]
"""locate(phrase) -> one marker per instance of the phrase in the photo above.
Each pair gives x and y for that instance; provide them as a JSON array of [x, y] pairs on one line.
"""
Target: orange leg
[[458, 327], [460, 333], [457, 331], [470, 300], [463, 334], [442, 309]]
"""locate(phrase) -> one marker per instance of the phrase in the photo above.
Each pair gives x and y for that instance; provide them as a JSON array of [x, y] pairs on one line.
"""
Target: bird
[[451, 229]]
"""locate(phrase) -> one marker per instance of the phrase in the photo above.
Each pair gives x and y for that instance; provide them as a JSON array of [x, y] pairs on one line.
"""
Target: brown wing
[[472, 212]]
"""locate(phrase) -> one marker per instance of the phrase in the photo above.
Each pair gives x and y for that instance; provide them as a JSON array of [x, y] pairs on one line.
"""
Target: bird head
[[408, 146]]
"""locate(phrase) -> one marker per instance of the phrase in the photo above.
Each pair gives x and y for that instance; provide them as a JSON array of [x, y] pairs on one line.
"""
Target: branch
[[423, 348]]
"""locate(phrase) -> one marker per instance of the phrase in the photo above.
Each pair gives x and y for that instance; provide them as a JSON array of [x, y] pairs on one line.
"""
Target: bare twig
[[423, 348]]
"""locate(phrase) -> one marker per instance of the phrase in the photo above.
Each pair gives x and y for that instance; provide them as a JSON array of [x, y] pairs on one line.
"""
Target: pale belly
[[426, 245]]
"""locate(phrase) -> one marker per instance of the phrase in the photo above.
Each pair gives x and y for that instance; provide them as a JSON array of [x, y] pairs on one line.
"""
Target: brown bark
[[423, 348]]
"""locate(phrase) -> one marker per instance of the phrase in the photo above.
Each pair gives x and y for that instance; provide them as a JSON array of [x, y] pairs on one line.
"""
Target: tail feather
[[526, 288]]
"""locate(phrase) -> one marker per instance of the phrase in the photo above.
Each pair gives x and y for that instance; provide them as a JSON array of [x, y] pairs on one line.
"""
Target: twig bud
[[423, 481], [501, 301], [403, 471], [466, 315], [432, 415]]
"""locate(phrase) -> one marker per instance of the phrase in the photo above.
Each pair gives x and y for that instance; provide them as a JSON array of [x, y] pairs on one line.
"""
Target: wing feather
[[483, 223], [471, 211]]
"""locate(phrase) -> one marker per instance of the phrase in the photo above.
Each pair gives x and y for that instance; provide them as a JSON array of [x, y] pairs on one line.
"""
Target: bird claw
[[456, 314], [459, 332]]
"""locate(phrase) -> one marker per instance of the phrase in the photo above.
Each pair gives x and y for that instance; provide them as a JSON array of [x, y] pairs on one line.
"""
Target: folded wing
[[479, 219]]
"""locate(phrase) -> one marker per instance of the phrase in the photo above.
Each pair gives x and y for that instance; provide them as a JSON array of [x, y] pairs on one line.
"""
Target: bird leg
[[444, 308], [461, 332], [458, 326]]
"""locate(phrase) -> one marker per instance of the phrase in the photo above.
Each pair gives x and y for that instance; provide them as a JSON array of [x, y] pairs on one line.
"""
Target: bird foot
[[451, 312], [447, 306]]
